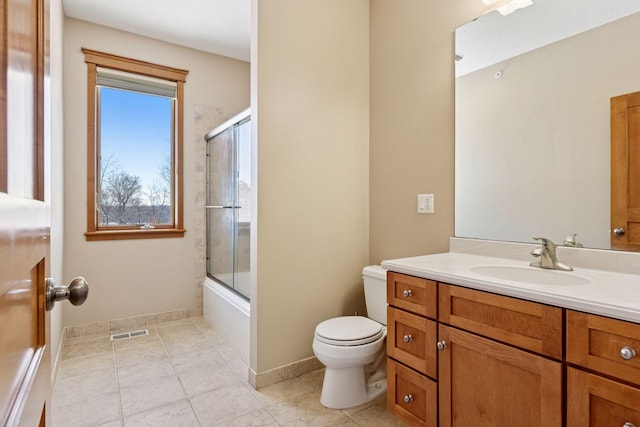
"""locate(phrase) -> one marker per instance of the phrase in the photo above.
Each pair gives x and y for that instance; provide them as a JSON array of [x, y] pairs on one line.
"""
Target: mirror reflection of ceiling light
[[508, 6]]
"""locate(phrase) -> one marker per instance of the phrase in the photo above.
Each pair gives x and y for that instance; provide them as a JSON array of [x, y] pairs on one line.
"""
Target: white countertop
[[608, 293]]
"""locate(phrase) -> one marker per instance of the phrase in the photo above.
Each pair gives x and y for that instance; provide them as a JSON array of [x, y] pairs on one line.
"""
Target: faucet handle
[[571, 241], [546, 243]]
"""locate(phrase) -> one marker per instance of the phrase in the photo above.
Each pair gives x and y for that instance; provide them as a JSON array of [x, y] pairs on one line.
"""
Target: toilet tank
[[375, 292]]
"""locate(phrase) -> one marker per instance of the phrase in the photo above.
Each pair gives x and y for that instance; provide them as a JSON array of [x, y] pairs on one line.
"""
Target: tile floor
[[184, 374]]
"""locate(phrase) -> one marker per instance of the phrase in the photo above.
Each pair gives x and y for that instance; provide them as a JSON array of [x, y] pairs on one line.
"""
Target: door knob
[[76, 292], [619, 231]]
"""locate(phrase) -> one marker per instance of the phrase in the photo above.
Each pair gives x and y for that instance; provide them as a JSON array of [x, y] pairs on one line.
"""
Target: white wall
[[310, 106], [136, 277]]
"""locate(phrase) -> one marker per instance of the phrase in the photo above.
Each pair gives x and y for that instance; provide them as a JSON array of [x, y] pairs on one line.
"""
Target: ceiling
[[493, 38], [222, 27]]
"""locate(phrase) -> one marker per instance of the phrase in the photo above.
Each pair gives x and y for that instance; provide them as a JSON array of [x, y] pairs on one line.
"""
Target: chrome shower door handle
[[76, 292]]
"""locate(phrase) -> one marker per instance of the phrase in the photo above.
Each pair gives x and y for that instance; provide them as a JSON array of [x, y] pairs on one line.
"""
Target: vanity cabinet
[[496, 361], [603, 381]]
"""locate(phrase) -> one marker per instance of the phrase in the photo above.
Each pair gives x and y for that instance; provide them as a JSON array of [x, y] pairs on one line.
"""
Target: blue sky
[[137, 128]]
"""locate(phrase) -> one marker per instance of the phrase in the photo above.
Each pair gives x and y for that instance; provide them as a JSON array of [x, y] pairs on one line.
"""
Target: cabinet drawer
[[411, 396], [412, 294], [411, 339], [598, 343], [529, 325], [596, 401]]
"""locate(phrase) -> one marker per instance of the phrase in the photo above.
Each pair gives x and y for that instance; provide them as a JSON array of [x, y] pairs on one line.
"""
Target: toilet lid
[[349, 331]]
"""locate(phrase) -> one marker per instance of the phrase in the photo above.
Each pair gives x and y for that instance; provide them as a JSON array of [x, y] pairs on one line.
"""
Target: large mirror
[[533, 93]]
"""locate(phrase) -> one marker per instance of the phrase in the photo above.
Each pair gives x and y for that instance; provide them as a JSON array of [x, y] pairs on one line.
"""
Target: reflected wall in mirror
[[533, 129]]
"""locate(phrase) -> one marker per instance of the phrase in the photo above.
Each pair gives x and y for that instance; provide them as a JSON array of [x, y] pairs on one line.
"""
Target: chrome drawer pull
[[408, 338], [409, 398], [441, 345], [627, 353], [629, 424], [407, 293]]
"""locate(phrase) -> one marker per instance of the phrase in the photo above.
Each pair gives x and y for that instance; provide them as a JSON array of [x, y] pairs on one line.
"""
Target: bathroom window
[[134, 148]]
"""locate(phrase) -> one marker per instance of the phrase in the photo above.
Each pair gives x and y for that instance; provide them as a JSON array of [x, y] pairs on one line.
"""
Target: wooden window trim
[[96, 59]]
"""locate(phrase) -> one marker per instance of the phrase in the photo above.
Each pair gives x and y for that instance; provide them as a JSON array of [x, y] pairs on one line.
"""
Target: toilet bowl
[[352, 349]]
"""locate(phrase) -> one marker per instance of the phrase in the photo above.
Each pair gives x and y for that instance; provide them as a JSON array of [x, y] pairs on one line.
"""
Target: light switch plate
[[425, 203]]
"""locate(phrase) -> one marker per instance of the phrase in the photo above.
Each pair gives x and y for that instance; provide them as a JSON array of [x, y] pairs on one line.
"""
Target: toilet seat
[[349, 331]]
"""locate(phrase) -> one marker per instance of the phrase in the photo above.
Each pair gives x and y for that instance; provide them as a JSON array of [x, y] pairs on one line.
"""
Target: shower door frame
[[234, 125]]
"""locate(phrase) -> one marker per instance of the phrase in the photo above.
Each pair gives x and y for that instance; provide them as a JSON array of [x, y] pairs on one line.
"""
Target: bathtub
[[229, 314]]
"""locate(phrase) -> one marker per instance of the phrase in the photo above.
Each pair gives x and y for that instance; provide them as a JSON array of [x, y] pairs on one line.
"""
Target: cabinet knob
[[441, 345], [627, 353], [629, 424], [409, 398], [407, 293], [408, 338], [619, 231]]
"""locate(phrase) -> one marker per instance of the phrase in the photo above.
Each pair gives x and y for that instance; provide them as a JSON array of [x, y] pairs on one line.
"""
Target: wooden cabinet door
[[595, 401], [485, 383]]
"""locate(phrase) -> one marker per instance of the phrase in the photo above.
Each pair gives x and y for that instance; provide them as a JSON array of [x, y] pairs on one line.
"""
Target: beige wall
[[412, 133], [135, 277], [55, 166], [310, 103]]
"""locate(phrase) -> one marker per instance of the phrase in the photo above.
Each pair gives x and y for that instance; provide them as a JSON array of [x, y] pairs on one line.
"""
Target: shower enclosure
[[228, 203]]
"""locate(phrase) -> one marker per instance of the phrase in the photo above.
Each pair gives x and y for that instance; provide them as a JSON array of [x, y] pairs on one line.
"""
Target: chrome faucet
[[547, 254], [571, 241]]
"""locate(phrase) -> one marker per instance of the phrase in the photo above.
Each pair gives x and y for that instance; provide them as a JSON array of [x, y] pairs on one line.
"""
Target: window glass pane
[[135, 147]]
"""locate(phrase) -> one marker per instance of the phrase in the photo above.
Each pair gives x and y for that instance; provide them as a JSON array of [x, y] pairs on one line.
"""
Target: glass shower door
[[221, 202], [243, 210], [229, 207]]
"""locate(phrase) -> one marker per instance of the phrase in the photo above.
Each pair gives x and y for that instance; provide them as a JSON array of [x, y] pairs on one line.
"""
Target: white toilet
[[352, 348]]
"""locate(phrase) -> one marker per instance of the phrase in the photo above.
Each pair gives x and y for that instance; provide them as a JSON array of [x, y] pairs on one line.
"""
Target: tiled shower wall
[[206, 119]]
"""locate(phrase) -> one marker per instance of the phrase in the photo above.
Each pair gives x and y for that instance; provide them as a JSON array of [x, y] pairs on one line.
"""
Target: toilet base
[[349, 387]]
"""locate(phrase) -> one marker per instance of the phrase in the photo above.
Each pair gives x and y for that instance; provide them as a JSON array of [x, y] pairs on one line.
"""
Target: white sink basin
[[533, 275]]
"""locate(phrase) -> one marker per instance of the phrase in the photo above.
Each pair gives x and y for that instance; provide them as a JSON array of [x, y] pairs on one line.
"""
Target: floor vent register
[[128, 335]]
